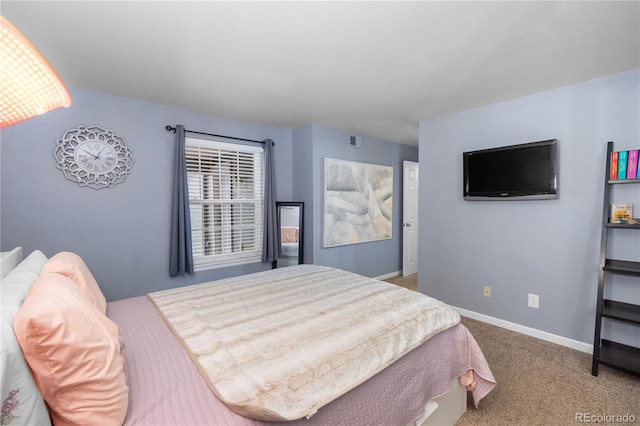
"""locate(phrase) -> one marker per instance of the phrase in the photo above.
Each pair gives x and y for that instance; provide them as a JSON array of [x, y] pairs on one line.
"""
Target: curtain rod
[[173, 129]]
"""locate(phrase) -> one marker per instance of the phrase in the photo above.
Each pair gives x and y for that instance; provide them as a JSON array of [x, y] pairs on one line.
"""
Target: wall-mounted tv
[[526, 171]]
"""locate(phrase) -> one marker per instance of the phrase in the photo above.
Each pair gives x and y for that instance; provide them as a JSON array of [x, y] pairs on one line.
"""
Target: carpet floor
[[542, 383]]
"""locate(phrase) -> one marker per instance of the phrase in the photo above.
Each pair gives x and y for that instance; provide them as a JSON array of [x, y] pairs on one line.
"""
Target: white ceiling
[[372, 68]]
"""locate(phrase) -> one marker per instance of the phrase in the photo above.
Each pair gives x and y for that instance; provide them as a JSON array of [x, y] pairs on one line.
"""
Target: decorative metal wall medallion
[[94, 157]]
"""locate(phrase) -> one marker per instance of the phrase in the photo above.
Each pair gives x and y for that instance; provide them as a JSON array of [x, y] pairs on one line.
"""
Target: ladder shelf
[[606, 351]]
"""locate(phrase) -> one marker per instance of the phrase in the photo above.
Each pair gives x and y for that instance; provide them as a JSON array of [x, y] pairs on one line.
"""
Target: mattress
[[166, 388]]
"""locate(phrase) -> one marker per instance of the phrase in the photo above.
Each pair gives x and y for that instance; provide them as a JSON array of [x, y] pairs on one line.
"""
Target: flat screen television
[[526, 171]]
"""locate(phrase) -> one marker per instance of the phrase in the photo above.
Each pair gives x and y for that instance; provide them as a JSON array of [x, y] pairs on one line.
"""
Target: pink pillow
[[73, 352], [72, 266]]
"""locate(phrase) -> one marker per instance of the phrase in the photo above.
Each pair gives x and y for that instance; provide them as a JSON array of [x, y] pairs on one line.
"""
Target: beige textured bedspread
[[278, 345]]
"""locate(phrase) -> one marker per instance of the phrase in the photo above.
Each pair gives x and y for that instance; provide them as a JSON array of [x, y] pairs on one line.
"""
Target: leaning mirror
[[290, 223]]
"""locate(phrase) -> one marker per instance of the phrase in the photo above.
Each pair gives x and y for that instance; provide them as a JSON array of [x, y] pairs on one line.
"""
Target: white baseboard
[[549, 337], [522, 329], [389, 275]]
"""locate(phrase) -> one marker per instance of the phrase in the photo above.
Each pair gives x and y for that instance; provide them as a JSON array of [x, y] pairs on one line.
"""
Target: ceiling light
[[29, 86]]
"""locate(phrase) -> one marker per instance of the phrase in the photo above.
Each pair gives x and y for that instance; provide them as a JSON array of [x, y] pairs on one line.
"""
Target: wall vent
[[355, 141]]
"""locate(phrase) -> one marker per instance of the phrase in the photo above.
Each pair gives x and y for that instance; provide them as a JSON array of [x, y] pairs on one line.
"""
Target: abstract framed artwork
[[358, 202]]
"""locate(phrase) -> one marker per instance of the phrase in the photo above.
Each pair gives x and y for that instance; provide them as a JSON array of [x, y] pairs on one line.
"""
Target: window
[[225, 199]]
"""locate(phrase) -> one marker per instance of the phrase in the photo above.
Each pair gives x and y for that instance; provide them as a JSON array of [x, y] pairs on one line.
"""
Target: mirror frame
[[299, 204]]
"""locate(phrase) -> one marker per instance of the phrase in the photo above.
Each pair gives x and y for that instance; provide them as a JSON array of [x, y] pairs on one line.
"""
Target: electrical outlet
[[487, 291], [534, 301]]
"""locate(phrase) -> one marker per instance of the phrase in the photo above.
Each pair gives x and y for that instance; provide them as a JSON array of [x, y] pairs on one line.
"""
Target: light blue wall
[[122, 233], [315, 143], [303, 184], [550, 247]]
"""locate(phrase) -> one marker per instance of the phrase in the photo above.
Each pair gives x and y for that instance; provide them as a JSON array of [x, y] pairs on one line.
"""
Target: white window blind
[[225, 198]]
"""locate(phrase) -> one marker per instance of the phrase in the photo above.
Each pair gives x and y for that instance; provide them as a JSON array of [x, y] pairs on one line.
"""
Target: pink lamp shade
[[29, 86]]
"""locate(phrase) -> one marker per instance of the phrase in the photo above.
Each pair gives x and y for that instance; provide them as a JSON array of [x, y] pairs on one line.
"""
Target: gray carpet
[[541, 383]]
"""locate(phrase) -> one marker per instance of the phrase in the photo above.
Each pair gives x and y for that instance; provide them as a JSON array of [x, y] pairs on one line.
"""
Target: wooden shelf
[[623, 225], [623, 181], [622, 267], [621, 311], [614, 354], [622, 357]]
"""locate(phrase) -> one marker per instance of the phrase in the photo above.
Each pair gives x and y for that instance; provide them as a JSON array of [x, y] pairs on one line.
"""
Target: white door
[[409, 218]]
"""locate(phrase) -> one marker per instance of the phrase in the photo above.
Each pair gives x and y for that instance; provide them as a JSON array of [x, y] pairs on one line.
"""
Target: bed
[[158, 380], [289, 245], [290, 249]]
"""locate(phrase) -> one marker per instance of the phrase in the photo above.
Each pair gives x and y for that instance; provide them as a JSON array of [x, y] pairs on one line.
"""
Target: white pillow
[[22, 403], [9, 260], [32, 264], [17, 283]]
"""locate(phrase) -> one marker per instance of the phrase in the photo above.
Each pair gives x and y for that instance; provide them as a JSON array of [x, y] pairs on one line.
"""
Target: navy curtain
[[270, 245], [180, 254]]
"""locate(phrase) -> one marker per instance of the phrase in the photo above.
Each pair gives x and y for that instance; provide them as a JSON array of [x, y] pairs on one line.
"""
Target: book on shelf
[[621, 212], [614, 165], [632, 164], [622, 164]]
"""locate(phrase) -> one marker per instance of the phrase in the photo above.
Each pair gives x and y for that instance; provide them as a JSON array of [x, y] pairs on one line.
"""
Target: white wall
[[547, 247]]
